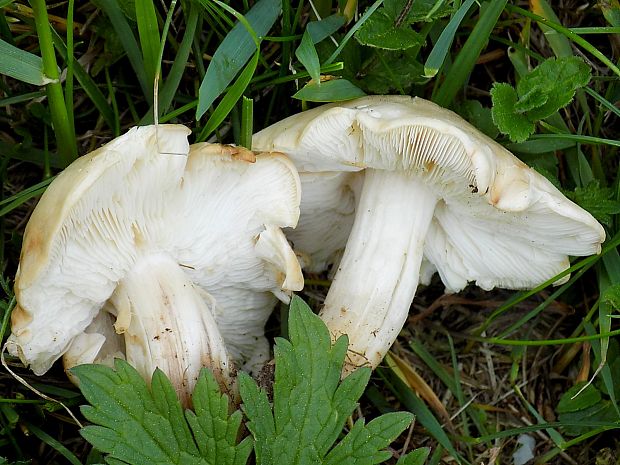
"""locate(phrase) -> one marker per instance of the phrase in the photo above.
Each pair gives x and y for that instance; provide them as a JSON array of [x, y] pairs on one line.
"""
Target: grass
[[479, 369]]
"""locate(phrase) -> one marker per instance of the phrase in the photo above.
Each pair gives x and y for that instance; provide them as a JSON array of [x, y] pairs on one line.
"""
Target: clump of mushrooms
[[437, 194], [167, 257]]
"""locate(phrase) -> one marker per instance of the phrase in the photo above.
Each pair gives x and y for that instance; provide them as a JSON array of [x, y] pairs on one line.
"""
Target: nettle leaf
[[140, 426], [311, 404], [551, 86], [397, 70], [597, 200], [379, 31], [420, 10], [611, 296], [517, 126]]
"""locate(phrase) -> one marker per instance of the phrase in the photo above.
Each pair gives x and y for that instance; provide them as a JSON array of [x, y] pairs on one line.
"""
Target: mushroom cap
[[141, 194], [497, 222]]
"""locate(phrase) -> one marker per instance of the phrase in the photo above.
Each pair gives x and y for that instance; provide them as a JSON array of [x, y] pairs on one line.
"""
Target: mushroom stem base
[[167, 324], [378, 275]]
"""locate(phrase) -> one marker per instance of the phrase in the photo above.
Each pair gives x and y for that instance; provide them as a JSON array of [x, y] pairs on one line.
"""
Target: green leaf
[[128, 40], [21, 65], [505, 117], [571, 402], [320, 30], [551, 86], [307, 56], [379, 31], [611, 296], [140, 426], [419, 10], [148, 31], [235, 51], [311, 404], [599, 201], [416, 457], [335, 90], [442, 47]]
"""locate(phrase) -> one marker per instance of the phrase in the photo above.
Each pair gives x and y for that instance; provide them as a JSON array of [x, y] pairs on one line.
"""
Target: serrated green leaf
[[364, 443], [311, 404], [235, 51], [599, 201], [140, 426], [416, 457], [419, 10], [551, 86], [336, 90], [379, 31], [508, 121], [21, 65], [612, 296], [307, 56]]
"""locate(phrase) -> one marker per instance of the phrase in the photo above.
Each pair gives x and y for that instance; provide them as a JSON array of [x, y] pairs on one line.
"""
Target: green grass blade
[[230, 99], [422, 413], [70, 64], [371, 9], [54, 444], [128, 41], [172, 81], [88, 85], [234, 52], [558, 43], [148, 31], [64, 131], [466, 59], [21, 65], [247, 118], [308, 57], [570, 35], [442, 47]]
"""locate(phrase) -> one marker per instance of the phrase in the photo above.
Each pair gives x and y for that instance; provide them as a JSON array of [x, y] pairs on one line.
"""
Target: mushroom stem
[[168, 325], [387, 242]]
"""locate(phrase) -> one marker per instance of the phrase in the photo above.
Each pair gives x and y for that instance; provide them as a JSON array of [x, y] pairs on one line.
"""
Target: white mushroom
[[166, 243], [435, 188]]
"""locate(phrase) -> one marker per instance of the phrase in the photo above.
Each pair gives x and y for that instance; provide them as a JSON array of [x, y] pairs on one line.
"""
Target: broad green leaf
[[599, 201], [320, 30], [138, 425], [551, 86], [505, 117], [479, 116], [571, 402], [234, 52], [307, 56], [419, 10], [230, 99], [311, 404], [21, 65], [364, 443], [379, 31], [329, 91], [394, 70], [612, 296], [416, 457]]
